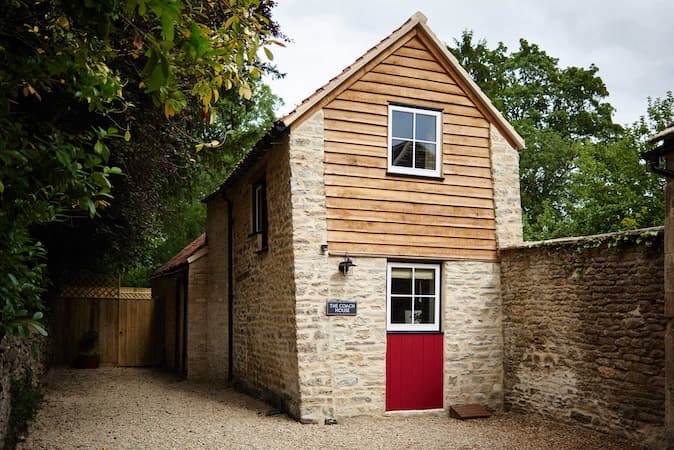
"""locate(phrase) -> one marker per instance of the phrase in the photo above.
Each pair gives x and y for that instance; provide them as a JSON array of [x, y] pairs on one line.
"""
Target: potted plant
[[87, 355]]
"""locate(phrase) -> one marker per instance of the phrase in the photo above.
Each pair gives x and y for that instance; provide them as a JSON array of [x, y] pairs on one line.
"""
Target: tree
[[580, 173], [612, 187], [86, 89], [182, 217]]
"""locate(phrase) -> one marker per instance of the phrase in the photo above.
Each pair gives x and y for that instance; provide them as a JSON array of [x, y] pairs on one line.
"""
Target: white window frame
[[435, 326], [438, 141]]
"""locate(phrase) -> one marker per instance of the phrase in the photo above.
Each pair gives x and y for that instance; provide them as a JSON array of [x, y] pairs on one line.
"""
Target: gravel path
[[120, 408]]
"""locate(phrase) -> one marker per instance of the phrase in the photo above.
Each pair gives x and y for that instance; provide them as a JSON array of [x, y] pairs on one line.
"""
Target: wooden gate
[[125, 319]]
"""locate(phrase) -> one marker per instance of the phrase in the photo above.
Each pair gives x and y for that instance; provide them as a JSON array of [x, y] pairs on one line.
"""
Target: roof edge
[[417, 20], [181, 259], [419, 17], [315, 98], [258, 150], [501, 121], [668, 131]]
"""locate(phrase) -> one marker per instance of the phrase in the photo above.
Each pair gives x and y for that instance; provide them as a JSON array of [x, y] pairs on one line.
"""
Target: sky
[[631, 42]]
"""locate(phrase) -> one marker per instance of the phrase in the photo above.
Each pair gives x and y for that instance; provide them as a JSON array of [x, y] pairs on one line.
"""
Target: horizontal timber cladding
[[372, 212]]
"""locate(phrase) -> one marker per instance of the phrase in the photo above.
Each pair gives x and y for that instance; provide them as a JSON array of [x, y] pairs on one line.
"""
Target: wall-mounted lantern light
[[324, 249], [344, 265]]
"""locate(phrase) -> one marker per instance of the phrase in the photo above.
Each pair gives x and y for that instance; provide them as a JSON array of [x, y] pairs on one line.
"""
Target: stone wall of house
[[473, 333], [22, 365], [264, 333], [584, 331], [197, 319], [217, 324], [342, 360], [311, 270], [505, 172], [354, 346], [163, 294]]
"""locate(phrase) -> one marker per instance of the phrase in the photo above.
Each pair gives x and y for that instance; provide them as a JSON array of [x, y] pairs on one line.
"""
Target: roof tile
[[182, 256]]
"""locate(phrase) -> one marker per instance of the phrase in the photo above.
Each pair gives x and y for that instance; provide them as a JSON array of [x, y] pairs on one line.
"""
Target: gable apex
[[415, 23]]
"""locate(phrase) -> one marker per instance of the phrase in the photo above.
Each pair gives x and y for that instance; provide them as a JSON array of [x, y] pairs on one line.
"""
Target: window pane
[[258, 208], [401, 281], [402, 153], [401, 310], [424, 281], [424, 310], [425, 128], [424, 156], [402, 124]]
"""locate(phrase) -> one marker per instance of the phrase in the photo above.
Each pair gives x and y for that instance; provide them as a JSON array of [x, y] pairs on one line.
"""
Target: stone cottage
[[353, 254]]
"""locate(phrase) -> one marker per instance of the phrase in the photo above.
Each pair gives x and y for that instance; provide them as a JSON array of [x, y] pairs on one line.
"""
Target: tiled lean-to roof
[[181, 258]]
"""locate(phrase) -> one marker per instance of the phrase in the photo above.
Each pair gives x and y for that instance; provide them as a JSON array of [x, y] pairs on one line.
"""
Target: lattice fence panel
[[92, 285], [135, 294]]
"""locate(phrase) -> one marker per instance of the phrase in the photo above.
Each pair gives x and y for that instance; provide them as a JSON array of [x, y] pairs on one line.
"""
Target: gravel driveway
[[117, 408]]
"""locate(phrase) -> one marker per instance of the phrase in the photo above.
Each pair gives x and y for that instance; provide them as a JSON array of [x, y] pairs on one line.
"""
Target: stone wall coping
[[580, 239]]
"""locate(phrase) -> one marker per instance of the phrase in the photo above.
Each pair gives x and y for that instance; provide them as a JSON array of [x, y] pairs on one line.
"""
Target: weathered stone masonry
[[583, 330], [342, 360], [264, 332], [505, 170], [197, 317], [473, 334], [217, 313], [21, 360], [311, 268]]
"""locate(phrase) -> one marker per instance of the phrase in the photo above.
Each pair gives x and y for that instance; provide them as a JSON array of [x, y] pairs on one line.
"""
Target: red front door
[[414, 345], [414, 371]]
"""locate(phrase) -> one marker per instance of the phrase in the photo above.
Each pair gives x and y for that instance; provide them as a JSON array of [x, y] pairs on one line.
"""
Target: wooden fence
[[126, 320]]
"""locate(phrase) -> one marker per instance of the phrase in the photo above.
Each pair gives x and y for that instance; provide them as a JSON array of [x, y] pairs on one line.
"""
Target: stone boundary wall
[[583, 329], [22, 360]]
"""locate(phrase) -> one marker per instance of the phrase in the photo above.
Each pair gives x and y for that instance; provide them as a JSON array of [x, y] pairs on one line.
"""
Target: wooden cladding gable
[[372, 212]]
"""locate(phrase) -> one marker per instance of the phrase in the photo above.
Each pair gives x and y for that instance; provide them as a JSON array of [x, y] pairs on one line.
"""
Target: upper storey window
[[260, 222], [415, 141]]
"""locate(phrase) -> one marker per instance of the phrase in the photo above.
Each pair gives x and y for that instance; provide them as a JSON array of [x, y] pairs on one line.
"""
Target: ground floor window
[[413, 297]]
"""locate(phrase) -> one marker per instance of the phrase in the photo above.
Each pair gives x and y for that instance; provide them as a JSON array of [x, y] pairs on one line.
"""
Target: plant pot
[[86, 362]]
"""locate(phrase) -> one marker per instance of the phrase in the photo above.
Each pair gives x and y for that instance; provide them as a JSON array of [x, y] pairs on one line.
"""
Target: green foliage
[[238, 126], [658, 117], [83, 87], [22, 281], [177, 226], [580, 173]]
